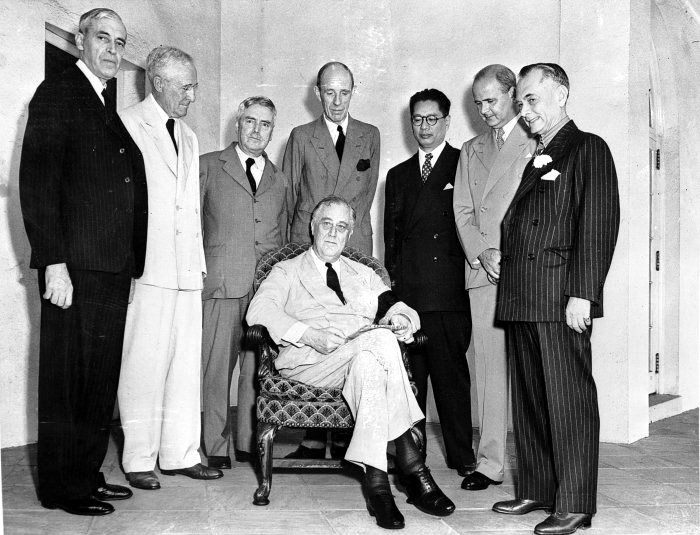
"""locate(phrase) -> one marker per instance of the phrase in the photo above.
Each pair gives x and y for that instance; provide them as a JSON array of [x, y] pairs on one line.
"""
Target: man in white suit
[[488, 174], [159, 383], [311, 305]]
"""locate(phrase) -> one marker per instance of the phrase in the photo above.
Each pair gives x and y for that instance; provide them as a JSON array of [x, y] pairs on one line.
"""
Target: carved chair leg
[[266, 436]]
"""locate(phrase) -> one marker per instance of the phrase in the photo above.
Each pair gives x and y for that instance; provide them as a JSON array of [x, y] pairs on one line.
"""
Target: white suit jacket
[[295, 291], [174, 251]]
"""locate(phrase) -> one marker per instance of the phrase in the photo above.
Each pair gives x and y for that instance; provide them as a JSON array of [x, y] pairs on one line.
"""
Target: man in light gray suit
[[246, 208], [334, 155], [488, 174]]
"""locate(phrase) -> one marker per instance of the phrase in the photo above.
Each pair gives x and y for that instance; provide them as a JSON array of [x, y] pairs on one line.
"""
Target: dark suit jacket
[[422, 251], [311, 163], [239, 227], [82, 181], [559, 235]]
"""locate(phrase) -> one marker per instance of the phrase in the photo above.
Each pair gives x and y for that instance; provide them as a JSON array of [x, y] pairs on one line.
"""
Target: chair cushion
[[277, 387], [295, 413]]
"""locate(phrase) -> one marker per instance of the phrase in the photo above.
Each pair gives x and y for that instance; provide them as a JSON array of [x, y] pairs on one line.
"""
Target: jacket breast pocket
[[557, 256]]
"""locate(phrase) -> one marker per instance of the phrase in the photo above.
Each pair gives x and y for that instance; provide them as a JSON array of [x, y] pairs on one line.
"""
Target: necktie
[[333, 282], [248, 164], [540, 147], [340, 143], [499, 139], [110, 107], [170, 125], [427, 167]]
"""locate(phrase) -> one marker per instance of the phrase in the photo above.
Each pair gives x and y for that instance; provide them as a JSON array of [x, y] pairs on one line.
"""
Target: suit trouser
[[222, 338], [80, 351], [555, 415], [159, 383], [375, 386], [491, 368], [444, 360]]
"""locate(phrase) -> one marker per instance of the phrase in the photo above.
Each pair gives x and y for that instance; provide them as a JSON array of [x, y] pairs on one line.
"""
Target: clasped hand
[[59, 288], [490, 260]]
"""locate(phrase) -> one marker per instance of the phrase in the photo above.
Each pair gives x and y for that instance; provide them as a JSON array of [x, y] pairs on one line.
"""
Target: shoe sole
[[549, 510], [428, 512], [495, 484], [398, 526], [585, 525], [54, 506], [173, 473]]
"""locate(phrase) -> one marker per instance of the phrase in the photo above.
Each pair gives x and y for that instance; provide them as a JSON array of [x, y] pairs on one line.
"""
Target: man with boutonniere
[[489, 171], [426, 265], [559, 235]]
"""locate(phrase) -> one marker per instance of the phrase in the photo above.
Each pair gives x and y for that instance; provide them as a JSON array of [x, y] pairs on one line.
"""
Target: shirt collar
[[333, 127], [161, 112], [259, 160], [508, 127], [95, 82], [549, 136], [436, 152], [321, 265]]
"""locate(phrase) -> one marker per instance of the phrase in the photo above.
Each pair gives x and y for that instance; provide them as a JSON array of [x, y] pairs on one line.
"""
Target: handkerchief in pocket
[[448, 186], [552, 175]]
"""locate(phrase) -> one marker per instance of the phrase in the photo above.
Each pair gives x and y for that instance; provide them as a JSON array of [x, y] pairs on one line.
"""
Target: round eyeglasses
[[432, 120]]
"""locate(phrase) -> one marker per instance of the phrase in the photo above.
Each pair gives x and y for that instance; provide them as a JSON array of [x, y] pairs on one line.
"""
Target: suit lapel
[[323, 145], [354, 143], [412, 187], [92, 100], [156, 130], [558, 148], [185, 155], [436, 182], [514, 148], [315, 284], [268, 177], [232, 166]]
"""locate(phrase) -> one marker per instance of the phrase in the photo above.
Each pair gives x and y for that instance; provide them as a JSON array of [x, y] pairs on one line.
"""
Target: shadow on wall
[[474, 120]]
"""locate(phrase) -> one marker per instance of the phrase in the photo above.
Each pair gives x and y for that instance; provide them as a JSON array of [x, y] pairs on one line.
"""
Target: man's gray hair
[[502, 74], [161, 57], [338, 65], [260, 101], [548, 70], [330, 201], [87, 18]]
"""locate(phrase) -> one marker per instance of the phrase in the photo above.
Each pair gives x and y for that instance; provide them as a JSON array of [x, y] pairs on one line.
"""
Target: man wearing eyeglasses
[[426, 264], [488, 174], [159, 384], [246, 209]]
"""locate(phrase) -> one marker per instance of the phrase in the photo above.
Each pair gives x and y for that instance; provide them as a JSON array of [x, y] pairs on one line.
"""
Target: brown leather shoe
[[198, 471], [143, 480], [563, 523], [520, 506]]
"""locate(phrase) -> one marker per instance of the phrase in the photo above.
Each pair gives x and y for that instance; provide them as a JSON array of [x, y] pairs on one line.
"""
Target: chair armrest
[[265, 349], [420, 339]]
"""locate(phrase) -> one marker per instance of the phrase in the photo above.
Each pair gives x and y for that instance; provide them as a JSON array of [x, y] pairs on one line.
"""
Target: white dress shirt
[[333, 128], [164, 117], [257, 168], [436, 152]]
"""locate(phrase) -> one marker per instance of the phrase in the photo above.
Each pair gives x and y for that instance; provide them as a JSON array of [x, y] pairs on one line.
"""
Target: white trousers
[[376, 388], [159, 394]]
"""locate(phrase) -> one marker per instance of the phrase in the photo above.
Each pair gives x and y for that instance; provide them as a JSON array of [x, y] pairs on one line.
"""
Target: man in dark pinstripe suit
[[559, 235], [84, 202]]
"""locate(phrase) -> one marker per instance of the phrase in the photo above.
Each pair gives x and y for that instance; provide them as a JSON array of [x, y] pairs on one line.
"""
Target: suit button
[[482, 209], [178, 208], [435, 259], [127, 180], [483, 234], [505, 258], [540, 189], [121, 151], [255, 200], [531, 256], [257, 242], [177, 232], [435, 237], [535, 222], [257, 221]]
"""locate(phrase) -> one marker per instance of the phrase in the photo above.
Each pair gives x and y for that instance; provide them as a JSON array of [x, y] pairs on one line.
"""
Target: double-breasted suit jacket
[[239, 227], [559, 235], [311, 163], [485, 184], [426, 264], [84, 202]]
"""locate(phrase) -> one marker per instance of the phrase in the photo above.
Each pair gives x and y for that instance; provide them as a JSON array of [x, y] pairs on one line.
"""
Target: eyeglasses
[[183, 88], [432, 120], [340, 228]]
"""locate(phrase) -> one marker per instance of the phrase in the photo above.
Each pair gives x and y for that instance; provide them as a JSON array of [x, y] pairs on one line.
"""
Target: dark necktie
[[540, 147], [499, 139], [248, 164], [333, 282], [427, 167], [110, 106], [340, 143], [170, 125]]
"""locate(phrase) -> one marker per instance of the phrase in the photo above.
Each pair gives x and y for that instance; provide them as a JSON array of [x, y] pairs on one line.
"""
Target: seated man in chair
[[312, 305]]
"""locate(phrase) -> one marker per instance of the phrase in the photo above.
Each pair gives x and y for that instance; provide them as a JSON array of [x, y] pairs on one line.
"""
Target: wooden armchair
[[286, 403]]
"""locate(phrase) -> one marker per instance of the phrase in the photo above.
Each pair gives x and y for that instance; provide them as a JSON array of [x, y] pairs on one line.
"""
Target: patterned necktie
[[170, 125], [248, 164], [427, 168], [340, 143], [540, 147], [499, 139], [333, 282]]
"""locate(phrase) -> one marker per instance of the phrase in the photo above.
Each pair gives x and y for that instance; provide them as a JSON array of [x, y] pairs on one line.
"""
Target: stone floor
[[649, 487]]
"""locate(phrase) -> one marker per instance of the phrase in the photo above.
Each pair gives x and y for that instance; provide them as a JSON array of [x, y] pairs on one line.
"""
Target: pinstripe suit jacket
[[239, 227], [311, 163], [559, 232], [82, 181]]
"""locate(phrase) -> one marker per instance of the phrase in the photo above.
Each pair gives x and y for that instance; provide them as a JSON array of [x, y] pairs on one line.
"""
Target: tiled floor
[[649, 487]]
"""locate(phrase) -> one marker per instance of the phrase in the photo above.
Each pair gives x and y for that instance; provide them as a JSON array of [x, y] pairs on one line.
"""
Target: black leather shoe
[[382, 507], [198, 471], [302, 452], [143, 480], [219, 462], [463, 470], [83, 507], [109, 492], [478, 481], [424, 493], [520, 507], [563, 523], [242, 457]]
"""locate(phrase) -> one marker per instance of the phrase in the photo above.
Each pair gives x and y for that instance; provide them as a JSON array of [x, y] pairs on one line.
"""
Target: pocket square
[[552, 175], [448, 186], [528, 155], [362, 165]]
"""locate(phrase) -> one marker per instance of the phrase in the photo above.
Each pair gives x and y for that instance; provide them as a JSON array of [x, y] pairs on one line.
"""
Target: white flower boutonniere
[[542, 160]]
